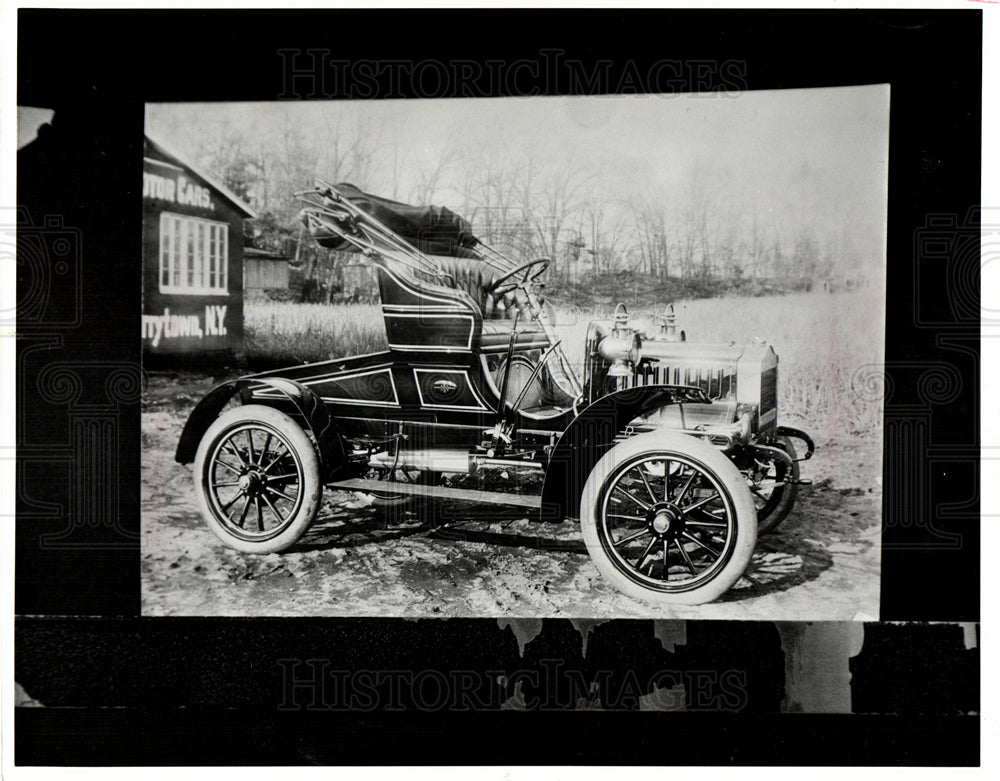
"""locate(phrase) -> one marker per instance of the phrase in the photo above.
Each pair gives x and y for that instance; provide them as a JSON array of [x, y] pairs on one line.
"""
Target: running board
[[438, 492]]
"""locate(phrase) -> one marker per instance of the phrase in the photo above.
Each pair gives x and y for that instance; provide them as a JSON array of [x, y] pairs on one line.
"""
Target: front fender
[[313, 411], [589, 436]]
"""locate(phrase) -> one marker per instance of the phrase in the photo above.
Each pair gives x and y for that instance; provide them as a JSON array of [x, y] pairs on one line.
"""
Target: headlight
[[623, 352]]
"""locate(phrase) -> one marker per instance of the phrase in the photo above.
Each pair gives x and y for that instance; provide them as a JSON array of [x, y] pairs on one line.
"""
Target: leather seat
[[496, 336], [478, 279]]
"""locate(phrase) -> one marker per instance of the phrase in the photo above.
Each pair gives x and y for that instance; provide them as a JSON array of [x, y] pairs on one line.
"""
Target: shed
[[192, 243], [264, 270]]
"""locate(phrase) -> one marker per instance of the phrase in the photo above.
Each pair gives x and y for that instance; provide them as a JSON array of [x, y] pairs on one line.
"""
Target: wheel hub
[[251, 483], [665, 521]]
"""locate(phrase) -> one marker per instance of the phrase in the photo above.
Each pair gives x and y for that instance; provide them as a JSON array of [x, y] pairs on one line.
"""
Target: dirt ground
[[821, 564]]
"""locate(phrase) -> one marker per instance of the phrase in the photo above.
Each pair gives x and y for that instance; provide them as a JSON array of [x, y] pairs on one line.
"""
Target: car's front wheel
[[258, 480], [668, 519]]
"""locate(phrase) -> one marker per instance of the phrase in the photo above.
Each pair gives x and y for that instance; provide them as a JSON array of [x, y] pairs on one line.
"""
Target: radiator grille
[[717, 383]]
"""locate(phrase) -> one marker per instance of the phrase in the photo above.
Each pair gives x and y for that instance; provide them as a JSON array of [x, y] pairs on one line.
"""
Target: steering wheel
[[503, 285]]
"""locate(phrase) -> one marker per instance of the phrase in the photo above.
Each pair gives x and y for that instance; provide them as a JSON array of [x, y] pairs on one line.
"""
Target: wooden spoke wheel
[[258, 479], [668, 519]]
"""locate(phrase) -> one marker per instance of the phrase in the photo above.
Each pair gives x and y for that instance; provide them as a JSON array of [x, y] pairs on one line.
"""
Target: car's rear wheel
[[258, 479], [668, 519]]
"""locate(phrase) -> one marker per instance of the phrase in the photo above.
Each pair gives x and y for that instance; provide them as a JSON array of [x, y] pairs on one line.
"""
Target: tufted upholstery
[[496, 336], [478, 278], [474, 277]]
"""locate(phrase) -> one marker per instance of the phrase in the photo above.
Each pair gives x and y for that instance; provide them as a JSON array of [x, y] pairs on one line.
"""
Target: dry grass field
[[829, 345], [292, 332]]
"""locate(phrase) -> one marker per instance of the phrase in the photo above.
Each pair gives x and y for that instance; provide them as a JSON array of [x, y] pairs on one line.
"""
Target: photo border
[[934, 171]]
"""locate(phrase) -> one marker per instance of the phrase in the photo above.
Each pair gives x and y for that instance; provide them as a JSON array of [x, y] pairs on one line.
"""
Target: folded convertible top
[[434, 230]]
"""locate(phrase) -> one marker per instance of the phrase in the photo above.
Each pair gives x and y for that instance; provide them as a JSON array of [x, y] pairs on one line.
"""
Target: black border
[[80, 737], [98, 68]]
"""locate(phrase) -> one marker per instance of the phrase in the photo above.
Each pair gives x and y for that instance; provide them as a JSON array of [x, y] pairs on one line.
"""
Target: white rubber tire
[[307, 464], [711, 462]]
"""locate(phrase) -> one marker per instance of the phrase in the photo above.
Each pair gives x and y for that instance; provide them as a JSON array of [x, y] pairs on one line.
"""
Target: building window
[[193, 255]]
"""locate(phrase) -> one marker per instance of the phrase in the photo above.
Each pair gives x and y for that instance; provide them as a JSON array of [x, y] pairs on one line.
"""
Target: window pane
[[190, 254], [165, 252], [200, 257], [176, 269], [212, 250], [223, 256]]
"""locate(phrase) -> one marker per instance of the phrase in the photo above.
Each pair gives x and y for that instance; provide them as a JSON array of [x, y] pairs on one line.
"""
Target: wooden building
[[264, 270], [192, 236]]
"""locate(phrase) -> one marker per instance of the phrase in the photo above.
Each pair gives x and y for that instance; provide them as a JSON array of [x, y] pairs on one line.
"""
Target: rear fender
[[330, 442], [590, 434]]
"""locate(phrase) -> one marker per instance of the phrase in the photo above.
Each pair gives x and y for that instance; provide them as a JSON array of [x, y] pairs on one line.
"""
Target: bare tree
[[562, 195], [607, 230], [348, 149], [429, 180], [495, 191], [651, 233]]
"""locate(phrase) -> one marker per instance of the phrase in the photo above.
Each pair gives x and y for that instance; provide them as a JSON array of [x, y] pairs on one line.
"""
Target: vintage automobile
[[667, 452]]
